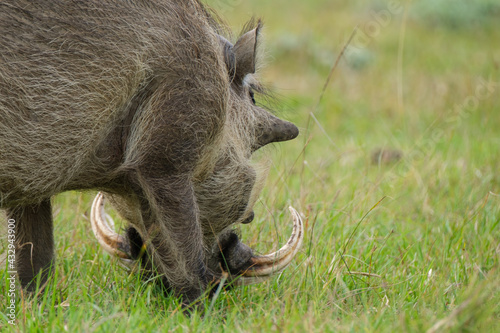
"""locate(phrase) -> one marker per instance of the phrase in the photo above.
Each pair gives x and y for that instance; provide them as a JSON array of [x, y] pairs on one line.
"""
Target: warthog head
[[225, 193]]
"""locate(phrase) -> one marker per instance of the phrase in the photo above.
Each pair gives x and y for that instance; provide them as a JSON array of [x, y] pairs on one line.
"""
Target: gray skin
[[142, 100]]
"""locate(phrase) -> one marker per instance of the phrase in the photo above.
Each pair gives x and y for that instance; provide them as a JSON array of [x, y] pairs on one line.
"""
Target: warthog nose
[[249, 218]]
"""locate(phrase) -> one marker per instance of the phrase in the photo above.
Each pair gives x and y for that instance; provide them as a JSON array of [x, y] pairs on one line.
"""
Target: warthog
[[148, 103]]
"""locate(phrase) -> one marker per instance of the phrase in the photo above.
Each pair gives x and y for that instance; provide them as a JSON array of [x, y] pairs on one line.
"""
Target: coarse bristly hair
[[138, 99]]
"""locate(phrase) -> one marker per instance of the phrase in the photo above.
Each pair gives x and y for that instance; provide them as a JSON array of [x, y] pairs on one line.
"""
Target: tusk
[[103, 228], [263, 267]]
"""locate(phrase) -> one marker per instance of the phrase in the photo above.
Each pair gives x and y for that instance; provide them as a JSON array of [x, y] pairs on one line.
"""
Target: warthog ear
[[245, 52], [229, 57], [275, 130]]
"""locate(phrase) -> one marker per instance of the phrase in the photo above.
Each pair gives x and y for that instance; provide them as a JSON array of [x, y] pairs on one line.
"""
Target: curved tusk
[[263, 267], [103, 228]]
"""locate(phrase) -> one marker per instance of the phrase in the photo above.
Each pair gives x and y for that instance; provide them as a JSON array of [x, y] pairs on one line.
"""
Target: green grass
[[424, 229]]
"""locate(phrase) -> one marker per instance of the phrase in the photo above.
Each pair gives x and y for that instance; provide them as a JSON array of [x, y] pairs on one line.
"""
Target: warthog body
[[144, 101]]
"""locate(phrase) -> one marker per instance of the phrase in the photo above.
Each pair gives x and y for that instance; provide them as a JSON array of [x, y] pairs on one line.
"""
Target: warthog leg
[[34, 242]]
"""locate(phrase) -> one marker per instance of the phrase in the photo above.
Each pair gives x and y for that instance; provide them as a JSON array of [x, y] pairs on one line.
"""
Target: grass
[[409, 245]]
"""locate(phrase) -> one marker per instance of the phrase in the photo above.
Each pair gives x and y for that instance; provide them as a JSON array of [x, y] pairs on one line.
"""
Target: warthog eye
[[252, 96]]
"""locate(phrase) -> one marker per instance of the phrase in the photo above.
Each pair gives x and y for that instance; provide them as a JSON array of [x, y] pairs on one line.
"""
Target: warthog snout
[[259, 268]]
